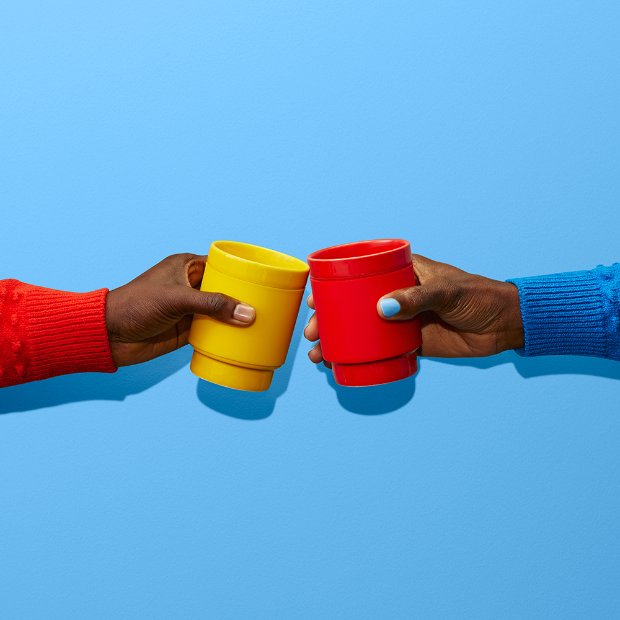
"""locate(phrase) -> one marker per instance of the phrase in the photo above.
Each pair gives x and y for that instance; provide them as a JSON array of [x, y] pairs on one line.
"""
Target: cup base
[[230, 375], [376, 373]]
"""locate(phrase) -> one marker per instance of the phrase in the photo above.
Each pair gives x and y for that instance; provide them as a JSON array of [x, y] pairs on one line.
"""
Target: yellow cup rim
[[276, 269]]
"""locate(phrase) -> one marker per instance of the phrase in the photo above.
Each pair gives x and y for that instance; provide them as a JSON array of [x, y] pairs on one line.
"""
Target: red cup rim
[[365, 258]]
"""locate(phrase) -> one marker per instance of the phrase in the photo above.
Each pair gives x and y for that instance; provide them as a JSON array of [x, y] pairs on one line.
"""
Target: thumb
[[407, 303], [217, 306]]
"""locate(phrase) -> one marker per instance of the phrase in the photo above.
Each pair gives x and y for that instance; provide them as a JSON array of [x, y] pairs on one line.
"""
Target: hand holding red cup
[[347, 283]]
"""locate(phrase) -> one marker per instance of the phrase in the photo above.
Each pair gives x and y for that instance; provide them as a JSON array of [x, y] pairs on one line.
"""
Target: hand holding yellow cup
[[244, 358]]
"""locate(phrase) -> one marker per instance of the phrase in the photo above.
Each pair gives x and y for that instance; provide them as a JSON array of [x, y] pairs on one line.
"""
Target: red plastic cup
[[347, 282]]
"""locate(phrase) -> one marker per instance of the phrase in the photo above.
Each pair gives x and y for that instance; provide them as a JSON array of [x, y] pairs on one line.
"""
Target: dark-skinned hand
[[151, 315], [461, 314]]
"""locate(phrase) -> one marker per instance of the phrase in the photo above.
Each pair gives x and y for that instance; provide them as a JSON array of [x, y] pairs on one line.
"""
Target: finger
[[424, 267], [310, 301], [315, 354], [175, 267], [194, 270], [216, 305], [407, 303], [185, 268], [311, 332]]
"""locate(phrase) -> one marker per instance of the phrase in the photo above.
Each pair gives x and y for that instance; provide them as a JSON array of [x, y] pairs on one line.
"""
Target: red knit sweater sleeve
[[44, 333]]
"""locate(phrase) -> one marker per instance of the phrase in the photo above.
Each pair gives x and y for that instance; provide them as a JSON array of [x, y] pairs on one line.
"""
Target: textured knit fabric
[[574, 313], [44, 333]]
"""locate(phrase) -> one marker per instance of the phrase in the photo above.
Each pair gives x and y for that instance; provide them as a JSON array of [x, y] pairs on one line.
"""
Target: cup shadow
[[254, 405], [373, 400], [529, 367], [84, 387], [382, 399]]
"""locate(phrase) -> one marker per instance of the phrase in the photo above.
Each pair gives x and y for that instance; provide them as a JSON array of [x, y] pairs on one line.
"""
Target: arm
[[466, 315], [44, 332], [574, 313]]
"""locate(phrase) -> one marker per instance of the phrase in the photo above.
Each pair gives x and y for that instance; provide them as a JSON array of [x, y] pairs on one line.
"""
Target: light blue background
[[487, 133]]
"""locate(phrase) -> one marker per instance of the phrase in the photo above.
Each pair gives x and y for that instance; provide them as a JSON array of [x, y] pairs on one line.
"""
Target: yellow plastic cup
[[244, 358]]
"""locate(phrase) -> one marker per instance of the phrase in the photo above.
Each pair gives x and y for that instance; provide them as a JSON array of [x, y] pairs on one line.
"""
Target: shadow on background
[[529, 367], [254, 405], [381, 399], [375, 400], [92, 386]]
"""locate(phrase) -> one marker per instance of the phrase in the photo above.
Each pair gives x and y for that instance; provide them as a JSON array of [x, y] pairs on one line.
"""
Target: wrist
[[111, 314], [510, 332]]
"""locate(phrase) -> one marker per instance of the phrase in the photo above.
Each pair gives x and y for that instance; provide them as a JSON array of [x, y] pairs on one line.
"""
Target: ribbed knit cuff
[[570, 314], [56, 333]]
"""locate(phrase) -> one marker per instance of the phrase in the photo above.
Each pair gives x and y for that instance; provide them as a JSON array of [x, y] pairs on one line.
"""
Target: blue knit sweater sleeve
[[574, 313]]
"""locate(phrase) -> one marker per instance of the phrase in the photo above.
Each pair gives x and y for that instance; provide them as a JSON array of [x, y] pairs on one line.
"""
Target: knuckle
[[216, 302], [422, 266], [180, 259], [410, 298], [418, 261]]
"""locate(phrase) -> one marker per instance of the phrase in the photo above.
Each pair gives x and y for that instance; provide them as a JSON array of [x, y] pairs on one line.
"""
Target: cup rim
[[292, 275], [403, 243], [397, 255]]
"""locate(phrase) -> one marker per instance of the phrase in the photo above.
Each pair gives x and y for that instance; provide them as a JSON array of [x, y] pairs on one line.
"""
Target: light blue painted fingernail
[[389, 307]]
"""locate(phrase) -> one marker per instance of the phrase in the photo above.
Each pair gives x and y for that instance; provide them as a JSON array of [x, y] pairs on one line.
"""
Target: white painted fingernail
[[244, 313]]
